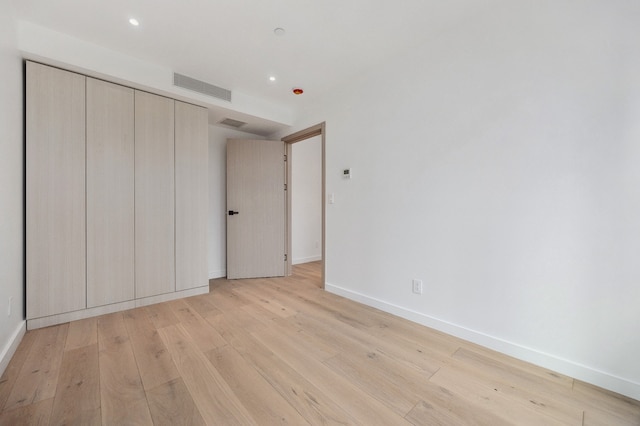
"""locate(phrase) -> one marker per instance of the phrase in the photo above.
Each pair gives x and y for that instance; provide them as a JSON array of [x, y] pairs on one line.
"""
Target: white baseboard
[[551, 362], [298, 260], [220, 273], [11, 346]]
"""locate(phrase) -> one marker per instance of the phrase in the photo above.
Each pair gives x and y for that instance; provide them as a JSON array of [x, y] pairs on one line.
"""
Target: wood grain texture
[[212, 395], [264, 405], [154, 195], [171, 404], [77, 397], [200, 331], [192, 197], [161, 315], [202, 306], [38, 376], [255, 188], [36, 414], [304, 396], [494, 399], [443, 408], [154, 361], [223, 358], [122, 396], [55, 194], [110, 193], [82, 333], [361, 406], [10, 375]]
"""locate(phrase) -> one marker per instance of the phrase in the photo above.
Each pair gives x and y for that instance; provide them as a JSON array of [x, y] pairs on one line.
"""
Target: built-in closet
[[116, 197]]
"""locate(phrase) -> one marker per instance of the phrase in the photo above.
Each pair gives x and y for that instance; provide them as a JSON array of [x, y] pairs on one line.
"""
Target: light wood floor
[[282, 351]]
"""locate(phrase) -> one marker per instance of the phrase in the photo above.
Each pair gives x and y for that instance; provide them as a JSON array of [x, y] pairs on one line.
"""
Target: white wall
[[217, 239], [306, 200], [11, 191], [499, 163]]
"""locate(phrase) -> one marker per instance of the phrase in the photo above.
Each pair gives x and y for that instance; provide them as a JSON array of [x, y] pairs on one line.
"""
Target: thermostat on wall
[[346, 173]]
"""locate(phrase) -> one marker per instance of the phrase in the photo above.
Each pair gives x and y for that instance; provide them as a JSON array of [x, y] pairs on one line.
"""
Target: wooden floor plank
[[241, 320], [317, 347], [533, 384], [261, 400], [545, 375], [282, 350], [260, 314], [306, 398], [258, 293], [78, 395], [442, 407], [214, 398], [152, 357], [201, 332], [10, 375], [356, 339], [595, 417], [81, 333], [202, 306], [520, 388], [38, 376], [224, 298], [171, 404], [359, 404], [161, 315], [604, 407], [122, 396], [495, 400], [35, 414], [378, 375]]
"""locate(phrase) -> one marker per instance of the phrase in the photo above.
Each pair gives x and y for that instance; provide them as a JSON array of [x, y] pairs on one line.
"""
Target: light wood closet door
[[110, 193], [55, 222], [192, 151], [154, 195]]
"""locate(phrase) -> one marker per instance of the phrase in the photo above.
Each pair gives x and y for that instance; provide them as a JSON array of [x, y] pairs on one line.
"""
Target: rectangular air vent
[[201, 87], [232, 123]]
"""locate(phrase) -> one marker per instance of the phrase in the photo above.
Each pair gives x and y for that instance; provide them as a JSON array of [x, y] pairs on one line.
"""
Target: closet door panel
[[192, 151], [154, 195], [110, 193], [55, 191]]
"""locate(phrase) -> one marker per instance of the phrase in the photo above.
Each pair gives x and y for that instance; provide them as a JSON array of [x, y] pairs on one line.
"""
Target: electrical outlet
[[417, 286], [9, 308]]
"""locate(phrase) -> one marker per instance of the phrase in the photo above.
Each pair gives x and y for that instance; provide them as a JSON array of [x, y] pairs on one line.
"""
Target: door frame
[[309, 132]]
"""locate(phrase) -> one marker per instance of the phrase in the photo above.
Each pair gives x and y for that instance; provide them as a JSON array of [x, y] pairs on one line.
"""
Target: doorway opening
[[311, 132]]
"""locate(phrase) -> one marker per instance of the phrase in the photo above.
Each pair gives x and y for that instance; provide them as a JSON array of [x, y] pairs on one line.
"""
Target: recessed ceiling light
[[134, 22], [272, 78], [279, 31]]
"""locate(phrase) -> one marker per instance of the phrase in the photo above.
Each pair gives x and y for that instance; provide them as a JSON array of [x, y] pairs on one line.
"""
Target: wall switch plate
[[417, 286], [332, 198]]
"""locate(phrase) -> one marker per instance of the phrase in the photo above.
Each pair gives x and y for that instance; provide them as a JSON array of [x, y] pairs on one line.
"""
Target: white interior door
[[255, 208]]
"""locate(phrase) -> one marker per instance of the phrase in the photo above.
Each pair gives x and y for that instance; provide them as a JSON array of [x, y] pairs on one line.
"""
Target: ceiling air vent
[[201, 87], [232, 123]]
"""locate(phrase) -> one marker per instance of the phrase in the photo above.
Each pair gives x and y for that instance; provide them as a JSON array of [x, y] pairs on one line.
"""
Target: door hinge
[[285, 157], [285, 186], [285, 257]]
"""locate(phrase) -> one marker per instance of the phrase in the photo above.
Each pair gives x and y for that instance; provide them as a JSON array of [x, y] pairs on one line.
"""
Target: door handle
[[231, 212]]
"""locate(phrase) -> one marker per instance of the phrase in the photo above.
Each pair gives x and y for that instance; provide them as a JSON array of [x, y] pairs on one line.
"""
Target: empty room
[[342, 212]]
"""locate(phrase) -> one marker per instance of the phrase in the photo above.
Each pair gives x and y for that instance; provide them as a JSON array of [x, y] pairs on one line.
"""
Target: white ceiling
[[230, 43]]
